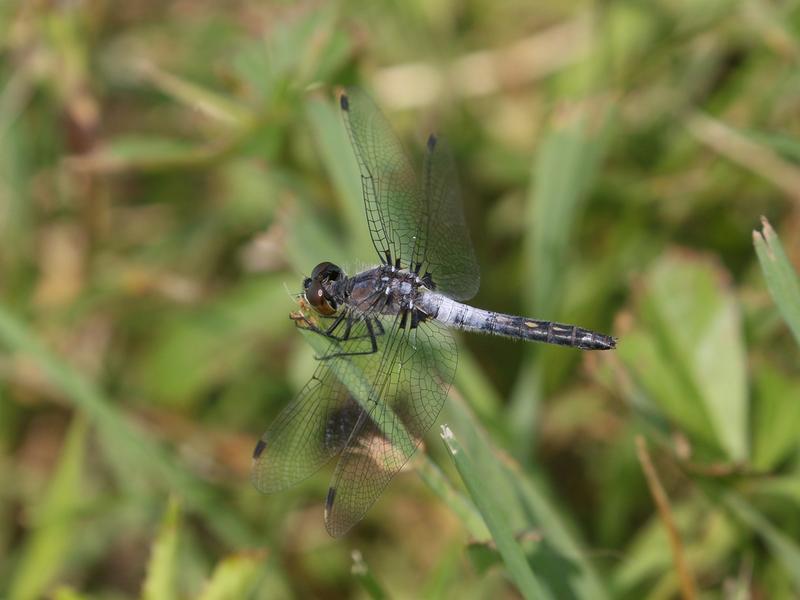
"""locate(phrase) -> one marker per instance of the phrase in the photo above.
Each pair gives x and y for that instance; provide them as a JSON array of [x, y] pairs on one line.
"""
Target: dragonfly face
[[385, 356], [318, 289]]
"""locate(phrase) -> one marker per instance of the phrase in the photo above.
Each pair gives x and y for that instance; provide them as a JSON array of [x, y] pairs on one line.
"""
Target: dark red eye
[[315, 296], [326, 270]]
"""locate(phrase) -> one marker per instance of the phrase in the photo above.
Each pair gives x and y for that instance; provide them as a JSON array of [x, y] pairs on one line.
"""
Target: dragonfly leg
[[370, 334]]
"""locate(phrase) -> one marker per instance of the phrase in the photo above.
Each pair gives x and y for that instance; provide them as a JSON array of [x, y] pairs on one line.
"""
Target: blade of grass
[[433, 477], [235, 577], [211, 104], [55, 521], [758, 158], [129, 449], [563, 172], [784, 548], [155, 155], [162, 569], [364, 575], [494, 515], [559, 559], [782, 281], [337, 155]]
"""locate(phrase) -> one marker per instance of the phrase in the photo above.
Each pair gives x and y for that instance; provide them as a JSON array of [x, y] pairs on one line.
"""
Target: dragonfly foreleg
[[370, 334]]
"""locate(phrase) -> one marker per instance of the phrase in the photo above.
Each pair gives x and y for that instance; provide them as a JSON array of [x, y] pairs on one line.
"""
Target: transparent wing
[[448, 251], [392, 198], [413, 378], [421, 225], [316, 425]]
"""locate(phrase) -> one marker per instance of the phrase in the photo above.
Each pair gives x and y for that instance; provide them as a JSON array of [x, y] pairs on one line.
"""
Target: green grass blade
[[436, 480], [564, 170], [48, 548], [196, 97], [235, 576], [340, 163], [782, 281], [130, 450], [162, 569], [496, 520], [785, 549], [559, 559], [366, 578]]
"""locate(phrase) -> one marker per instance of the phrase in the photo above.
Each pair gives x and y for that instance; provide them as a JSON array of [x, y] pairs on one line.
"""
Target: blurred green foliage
[[169, 171]]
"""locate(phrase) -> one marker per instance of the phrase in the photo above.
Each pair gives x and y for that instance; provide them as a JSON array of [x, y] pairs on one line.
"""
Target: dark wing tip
[[259, 448], [329, 502], [432, 140], [344, 102]]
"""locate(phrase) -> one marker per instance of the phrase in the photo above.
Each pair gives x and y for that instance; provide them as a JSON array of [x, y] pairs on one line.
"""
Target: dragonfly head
[[317, 289]]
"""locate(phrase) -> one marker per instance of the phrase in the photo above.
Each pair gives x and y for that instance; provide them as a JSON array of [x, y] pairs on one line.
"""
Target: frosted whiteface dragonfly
[[386, 357]]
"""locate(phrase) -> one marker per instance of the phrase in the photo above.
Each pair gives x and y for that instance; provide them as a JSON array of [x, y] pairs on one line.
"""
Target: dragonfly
[[386, 356]]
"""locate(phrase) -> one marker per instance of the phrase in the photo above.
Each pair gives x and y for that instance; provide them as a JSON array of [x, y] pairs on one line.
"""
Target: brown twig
[[688, 590]]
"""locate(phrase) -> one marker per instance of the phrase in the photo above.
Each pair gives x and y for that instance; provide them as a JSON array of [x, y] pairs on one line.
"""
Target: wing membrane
[[420, 223], [414, 379], [448, 248], [316, 425], [392, 197]]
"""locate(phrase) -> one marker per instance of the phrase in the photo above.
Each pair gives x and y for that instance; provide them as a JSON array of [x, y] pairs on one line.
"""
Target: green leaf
[[162, 570], [687, 352], [782, 281], [55, 521], [496, 519], [235, 577], [776, 417]]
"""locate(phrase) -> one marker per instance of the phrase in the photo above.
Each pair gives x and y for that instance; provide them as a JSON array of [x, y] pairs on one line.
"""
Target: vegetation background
[[169, 171]]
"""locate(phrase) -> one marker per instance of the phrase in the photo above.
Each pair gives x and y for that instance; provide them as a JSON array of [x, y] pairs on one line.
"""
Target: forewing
[[447, 250], [393, 199], [413, 380], [421, 223]]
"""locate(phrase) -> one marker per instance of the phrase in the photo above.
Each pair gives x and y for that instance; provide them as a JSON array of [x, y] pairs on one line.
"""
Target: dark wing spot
[[432, 141], [329, 500], [259, 448], [344, 102]]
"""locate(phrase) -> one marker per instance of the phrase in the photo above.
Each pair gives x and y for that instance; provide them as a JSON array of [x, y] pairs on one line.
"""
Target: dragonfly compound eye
[[318, 299], [326, 270]]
